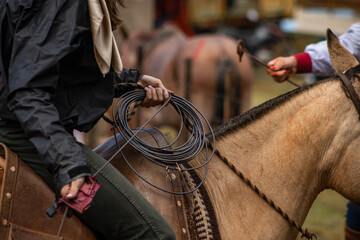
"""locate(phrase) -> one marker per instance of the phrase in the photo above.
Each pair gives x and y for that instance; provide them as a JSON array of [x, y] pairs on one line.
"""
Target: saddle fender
[[24, 198]]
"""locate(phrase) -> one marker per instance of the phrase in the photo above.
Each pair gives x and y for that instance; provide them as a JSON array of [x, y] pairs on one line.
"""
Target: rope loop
[[171, 157]]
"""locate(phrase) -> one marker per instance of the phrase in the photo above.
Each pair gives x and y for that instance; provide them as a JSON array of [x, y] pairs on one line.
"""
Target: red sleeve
[[303, 63]]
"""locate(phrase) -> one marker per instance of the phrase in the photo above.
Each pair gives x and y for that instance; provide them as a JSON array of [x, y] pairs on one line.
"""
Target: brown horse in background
[[203, 69]]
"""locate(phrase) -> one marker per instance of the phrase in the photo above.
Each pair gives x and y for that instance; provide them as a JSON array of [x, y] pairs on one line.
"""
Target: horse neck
[[289, 153]]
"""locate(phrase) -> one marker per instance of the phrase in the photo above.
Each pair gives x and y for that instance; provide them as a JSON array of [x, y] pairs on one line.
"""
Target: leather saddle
[[24, 198]]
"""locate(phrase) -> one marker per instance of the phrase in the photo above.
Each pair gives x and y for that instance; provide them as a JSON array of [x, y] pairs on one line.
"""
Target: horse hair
[[258, 112]]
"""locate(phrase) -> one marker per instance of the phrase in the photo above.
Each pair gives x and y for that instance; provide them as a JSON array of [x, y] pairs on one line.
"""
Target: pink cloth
[[84, 198]]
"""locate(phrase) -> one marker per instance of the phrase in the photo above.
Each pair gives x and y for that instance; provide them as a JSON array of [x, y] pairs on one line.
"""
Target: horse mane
[[258, 112], [263, 109]]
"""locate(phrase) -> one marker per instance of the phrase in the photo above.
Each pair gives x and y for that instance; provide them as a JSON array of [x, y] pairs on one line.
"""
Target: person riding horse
[[316, 59], [58, 66]]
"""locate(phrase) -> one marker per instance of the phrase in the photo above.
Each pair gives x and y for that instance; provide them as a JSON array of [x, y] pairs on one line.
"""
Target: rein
[[241, 50]]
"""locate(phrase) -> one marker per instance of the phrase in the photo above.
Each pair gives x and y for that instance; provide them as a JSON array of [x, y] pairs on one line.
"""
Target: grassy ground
[[327, 216]]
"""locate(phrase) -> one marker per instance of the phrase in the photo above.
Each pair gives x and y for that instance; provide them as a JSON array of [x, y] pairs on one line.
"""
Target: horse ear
[[341, 59]]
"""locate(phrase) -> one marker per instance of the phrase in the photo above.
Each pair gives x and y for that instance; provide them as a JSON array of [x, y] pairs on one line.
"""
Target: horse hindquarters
[[23, 201]]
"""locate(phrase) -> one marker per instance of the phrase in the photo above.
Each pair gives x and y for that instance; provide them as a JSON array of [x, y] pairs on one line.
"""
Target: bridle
[[349, 90]]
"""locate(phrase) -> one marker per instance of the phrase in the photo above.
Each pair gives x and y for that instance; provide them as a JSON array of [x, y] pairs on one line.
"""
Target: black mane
[[259, 111]]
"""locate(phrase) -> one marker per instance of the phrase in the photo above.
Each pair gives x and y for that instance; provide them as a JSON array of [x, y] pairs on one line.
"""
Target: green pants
[[118, 210]]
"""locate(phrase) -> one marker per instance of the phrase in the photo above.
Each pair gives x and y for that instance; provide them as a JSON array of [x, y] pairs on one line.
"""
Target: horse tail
[[227, 99], [218, 117], [234, 88]]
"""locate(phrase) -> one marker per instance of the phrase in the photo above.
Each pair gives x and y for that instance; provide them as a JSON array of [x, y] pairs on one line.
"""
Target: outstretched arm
[[315, 59]]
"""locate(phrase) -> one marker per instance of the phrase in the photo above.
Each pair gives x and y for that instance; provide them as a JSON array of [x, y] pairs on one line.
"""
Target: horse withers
[[291, 147]]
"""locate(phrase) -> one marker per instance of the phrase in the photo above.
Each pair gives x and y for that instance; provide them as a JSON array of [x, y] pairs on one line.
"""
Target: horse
[[290, 148], [204, 69]]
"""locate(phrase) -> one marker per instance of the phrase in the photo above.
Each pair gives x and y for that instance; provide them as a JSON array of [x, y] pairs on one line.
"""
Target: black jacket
[[49, 80]]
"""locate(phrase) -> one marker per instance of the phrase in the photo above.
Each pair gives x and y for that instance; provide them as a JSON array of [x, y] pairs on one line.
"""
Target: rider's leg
[[132, 216], [118, 210], [352, 228]]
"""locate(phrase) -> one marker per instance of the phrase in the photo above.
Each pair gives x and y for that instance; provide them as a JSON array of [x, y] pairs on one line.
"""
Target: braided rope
[[304, 233], [200, 215]]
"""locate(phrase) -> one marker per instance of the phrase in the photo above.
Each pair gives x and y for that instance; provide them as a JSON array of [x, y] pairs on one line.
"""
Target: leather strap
[[7, 192], [180, 205], [350, 91], [177, 184]]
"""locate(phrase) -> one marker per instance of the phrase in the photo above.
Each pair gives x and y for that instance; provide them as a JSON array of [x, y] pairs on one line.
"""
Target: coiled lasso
[[170, 157]]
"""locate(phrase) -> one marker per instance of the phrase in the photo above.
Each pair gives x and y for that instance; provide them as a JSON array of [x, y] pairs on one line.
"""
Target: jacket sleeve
[[126, 76], [320, 58], [39, 118], [44, 33]]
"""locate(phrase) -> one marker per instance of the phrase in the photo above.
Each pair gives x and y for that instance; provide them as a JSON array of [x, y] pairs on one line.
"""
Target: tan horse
[[292, 147], [204, 69]]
